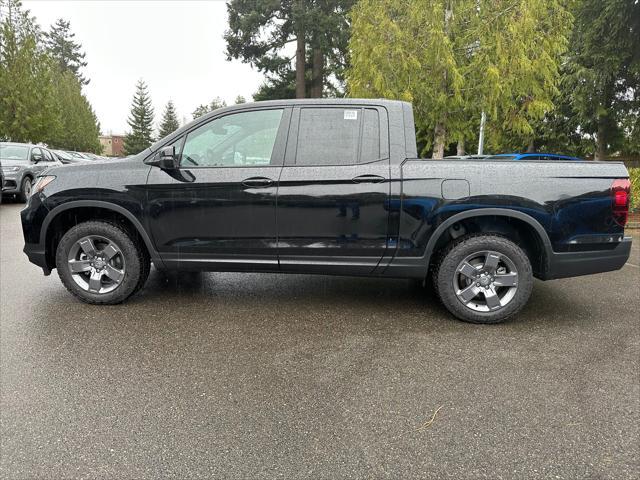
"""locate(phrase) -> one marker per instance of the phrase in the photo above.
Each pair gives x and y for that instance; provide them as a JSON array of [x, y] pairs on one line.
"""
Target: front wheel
[[25, 189], [484, 279], [101, 263]]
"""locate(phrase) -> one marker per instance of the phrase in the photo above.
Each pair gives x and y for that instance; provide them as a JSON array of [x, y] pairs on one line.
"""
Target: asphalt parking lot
[[268, 376]]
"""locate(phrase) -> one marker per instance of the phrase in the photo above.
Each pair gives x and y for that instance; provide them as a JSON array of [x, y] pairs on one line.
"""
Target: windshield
[[63, 155], [14, 152]]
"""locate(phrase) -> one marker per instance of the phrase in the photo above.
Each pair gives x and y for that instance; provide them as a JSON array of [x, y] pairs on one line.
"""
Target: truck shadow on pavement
[[290, 293]]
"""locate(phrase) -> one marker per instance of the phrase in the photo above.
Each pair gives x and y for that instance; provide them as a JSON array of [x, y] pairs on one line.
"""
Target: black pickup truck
[[327, 187]]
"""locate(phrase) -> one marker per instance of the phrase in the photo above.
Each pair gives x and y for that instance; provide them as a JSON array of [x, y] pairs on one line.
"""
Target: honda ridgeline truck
[[327, 187]]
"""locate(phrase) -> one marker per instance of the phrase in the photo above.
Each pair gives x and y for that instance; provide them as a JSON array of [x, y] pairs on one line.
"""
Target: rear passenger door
[[333, 191]]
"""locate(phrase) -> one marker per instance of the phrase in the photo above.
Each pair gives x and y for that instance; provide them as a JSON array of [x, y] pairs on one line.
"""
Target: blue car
[[530, 156]]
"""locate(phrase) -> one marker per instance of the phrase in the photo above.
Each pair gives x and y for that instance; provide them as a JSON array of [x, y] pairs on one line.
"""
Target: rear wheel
[[484, 279], [101, 263]]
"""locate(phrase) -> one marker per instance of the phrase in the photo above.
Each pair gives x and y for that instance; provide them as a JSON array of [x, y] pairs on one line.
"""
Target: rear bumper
[[574, 264]]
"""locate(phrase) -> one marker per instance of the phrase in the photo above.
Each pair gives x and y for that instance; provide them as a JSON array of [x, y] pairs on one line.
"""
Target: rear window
[[338, 136]]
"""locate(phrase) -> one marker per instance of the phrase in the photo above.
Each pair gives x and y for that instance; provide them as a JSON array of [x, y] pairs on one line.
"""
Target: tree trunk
[[601, 140], [532, 146], [438, 141], [317, 73], [300, 59], [460, 150]]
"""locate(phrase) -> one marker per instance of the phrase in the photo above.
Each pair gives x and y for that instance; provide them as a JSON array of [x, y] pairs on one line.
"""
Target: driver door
[[38, 162], [218, 210]]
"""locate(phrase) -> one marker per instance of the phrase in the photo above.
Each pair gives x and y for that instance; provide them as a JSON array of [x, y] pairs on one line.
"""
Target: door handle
[[368, 179], [257, 182]]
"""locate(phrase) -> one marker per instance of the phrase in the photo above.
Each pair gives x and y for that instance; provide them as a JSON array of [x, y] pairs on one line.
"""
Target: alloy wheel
[[486, 281], [26, 189], [96, 264]]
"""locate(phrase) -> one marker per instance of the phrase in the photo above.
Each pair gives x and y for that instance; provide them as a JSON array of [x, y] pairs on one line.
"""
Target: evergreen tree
[[140, 120], [80, 129], [278, 88], [64, 50], [169, 123], [28, 107], [38, 101], [259, 32], [240, 99], [603, 73], [456, 58], [215, 104]]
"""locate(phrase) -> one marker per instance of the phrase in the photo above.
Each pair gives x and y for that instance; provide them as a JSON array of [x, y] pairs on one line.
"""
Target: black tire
[[135, 257], [446, 270], [25, 189]]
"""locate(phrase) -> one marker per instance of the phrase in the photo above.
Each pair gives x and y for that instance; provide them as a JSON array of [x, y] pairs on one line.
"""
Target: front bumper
[[11, 183], [32, 217], [574, 264]]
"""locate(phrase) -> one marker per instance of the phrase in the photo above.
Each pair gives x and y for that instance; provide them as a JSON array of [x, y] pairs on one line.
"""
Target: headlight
[[10, 169], [42, 182]]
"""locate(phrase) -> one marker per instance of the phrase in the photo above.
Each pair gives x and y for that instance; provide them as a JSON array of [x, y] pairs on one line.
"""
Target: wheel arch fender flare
[[106, 206], [486, 212]]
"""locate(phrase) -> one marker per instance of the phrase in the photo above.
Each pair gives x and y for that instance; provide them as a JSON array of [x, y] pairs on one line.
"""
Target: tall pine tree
[[260, 32], [65, 50], [603, 74], [169, 123], [140, 120]]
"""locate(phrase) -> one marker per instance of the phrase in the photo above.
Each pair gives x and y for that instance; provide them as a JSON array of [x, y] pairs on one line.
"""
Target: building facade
[[112, 145]]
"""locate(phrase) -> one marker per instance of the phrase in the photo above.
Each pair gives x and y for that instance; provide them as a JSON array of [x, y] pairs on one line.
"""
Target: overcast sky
[[176, 47]]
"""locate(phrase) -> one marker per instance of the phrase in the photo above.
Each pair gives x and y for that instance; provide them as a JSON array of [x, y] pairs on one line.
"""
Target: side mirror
[[166, 158]]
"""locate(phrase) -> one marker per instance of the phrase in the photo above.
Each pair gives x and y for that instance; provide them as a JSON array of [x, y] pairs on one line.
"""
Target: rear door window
[[338, 136]]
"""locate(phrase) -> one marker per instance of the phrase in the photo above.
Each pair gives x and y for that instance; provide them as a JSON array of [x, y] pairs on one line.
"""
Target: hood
[[14, 163]]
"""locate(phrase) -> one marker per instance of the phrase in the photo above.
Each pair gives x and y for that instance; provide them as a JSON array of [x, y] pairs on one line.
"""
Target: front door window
[[243, 139]]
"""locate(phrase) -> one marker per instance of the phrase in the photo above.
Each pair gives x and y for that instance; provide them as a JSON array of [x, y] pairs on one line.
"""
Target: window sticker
[[350, 114]]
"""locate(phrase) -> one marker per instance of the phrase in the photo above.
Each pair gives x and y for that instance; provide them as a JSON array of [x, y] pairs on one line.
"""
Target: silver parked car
[[66, 157], [21, 164]]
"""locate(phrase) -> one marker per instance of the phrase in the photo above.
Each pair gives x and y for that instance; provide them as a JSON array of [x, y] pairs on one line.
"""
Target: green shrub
[[634, 175]]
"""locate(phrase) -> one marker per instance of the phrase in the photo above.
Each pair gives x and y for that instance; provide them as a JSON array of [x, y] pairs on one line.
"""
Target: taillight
[[620, 197]]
